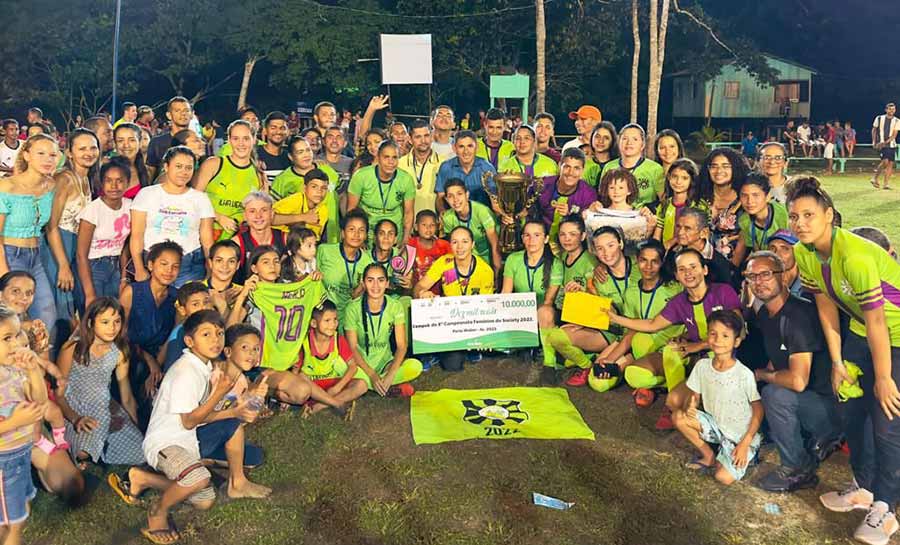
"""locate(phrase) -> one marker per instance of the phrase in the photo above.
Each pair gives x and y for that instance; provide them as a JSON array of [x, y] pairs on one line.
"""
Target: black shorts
[[888, 154]]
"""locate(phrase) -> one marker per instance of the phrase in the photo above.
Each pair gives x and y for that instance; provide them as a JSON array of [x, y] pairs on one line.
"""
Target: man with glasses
[[798, 399]]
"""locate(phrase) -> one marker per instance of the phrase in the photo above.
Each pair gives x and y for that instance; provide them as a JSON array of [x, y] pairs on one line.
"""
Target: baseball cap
[[785, 236], [586, 111]]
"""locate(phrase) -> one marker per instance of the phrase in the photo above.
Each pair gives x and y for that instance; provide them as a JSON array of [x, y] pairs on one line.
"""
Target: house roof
[[768, 55]]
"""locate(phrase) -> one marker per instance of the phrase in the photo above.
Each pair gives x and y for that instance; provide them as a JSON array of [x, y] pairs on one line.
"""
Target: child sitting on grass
[[185, 428], [732, 411], [328, 360]]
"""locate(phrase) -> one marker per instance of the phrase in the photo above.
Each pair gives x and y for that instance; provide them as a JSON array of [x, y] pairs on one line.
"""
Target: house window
[[732, 89], [792, 91]]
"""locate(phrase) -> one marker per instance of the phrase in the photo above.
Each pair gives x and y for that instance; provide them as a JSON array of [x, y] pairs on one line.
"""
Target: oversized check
[[468, 322]]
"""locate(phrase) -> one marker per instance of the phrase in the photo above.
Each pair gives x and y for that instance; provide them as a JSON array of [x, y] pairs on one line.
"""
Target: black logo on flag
[[493, 412]]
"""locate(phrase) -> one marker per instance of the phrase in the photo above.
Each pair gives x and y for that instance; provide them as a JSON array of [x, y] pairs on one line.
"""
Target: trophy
[[516, 192]]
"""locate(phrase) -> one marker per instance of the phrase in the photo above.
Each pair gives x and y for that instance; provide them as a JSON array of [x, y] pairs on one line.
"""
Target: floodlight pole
[[116, 57]]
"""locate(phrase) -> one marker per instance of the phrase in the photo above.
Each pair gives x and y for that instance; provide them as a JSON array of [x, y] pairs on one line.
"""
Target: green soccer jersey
[[642, 304], [495, 156], [858, 276], [228, 187], [374, 330], [381, 199], [289, 181], [615, 288], [480, 221], [592, 171], [340, 274], [756, 237], [541, 167], [286, 310], [650, 176], [581, 270], [525, 277]]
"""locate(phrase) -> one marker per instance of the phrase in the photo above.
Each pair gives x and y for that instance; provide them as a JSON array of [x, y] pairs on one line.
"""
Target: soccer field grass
[[365, 482]]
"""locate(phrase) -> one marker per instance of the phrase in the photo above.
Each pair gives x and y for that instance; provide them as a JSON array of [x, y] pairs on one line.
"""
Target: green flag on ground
[[497, 413]]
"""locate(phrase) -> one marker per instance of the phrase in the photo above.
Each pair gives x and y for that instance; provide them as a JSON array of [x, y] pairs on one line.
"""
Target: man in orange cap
[[586, 118]]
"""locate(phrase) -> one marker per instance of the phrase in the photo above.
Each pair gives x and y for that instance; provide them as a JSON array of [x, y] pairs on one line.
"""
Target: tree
[[635, 60], [541, 47], [659, 23]]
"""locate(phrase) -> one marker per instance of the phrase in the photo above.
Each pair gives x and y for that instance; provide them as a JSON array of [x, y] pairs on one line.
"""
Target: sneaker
[[878, 526], [822, 450], [550, 376], [430, 361], [578, 378], [643, 397], [847, 500], [664, 423], [784, 479], [474, 357], [401, 390]]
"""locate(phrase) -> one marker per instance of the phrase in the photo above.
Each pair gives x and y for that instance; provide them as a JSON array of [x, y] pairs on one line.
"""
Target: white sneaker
[[878, 526], [847, 500]]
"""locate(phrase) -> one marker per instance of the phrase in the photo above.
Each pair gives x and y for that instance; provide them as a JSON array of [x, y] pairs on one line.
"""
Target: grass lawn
[[365, 482]]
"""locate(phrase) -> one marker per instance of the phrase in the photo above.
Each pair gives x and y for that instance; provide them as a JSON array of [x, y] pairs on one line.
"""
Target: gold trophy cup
[[516, 192]]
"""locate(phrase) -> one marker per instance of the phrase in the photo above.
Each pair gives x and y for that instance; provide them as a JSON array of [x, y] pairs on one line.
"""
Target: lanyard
[[493, 153], [384, 198], [528, 169], [467, 221], [636, 165], [369, 314], [531, 272], [627, 275], [769, 221], [460, 276], [645, 313], [350, 275], [421, 172]]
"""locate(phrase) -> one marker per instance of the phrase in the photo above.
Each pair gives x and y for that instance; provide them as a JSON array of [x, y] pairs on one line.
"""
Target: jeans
[[67, 302], [873, 439], [106, 276], [29, 259], [193, 267], [791, 415]]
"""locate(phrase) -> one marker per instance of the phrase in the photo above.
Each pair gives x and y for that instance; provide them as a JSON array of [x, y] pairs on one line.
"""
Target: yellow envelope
[[582, 308]]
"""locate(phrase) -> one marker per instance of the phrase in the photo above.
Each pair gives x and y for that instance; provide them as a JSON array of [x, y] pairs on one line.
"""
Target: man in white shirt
[[586, 118], [804, 132], [884, 139], [9, 147], [442, 124]]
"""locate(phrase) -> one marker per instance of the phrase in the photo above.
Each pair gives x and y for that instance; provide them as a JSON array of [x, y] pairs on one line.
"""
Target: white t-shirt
[[173, 217], [8, 155], [884, 129], [444, 151], [726, 395], [803, 133], [111, 227], [573, 143], [183, 388]]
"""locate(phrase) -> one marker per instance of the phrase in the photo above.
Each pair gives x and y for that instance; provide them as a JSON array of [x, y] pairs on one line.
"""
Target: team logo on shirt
[[846, 288], [497, 417]]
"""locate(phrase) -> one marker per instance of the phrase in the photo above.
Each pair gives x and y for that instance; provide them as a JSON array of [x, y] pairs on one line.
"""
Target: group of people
[[218, 289]]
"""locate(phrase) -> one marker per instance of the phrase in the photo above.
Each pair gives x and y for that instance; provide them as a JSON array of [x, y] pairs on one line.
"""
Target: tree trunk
[[245, 83], [659, 20], [541, 41], [635, 59]]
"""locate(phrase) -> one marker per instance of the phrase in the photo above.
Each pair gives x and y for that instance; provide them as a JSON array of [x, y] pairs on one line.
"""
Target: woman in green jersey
[[474, 215], [848, 273], [603, 151], [761, 219], [642, 300], [375, 326], [227, 180], [342, 263], [572, 271], [384, 250], [528, 270], [648, 173]]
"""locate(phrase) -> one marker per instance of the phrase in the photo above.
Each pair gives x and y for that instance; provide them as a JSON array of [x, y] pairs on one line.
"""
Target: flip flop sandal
[[874, 184], [696, 465], [887, 187], [165, 536], [122, 487]]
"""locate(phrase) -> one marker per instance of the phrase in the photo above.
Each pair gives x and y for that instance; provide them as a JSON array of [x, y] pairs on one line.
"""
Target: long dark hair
[[295, 238], [85, 338], [139, 161], [93, 175], [547, 258], [739, 170], [690, 168], [363, 301]]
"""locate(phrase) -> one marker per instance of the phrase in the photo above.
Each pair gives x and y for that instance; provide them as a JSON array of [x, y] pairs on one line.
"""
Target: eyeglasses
[[724, 166], [774, 158], [763, 276]]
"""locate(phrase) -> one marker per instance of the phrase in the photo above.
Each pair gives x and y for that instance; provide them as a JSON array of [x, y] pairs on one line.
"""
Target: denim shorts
[[213, 436], [711, 433], [16, 487]]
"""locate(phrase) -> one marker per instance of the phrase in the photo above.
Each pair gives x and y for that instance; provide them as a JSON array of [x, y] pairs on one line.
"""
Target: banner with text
[[470, 322]]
